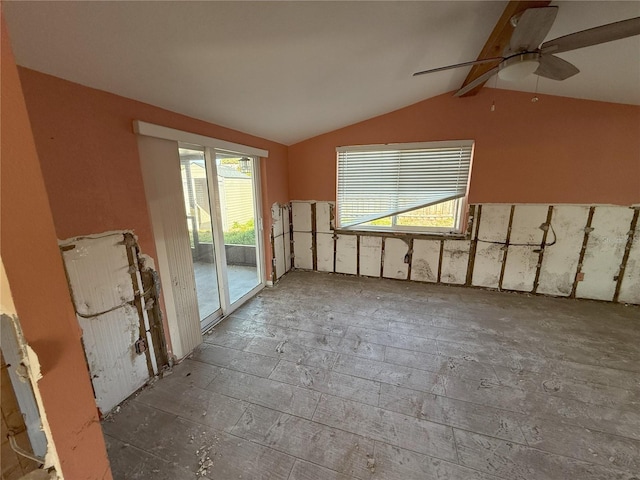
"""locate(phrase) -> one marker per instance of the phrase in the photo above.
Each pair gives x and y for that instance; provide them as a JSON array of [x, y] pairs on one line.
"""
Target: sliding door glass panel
[[237, 209], [200, 226]]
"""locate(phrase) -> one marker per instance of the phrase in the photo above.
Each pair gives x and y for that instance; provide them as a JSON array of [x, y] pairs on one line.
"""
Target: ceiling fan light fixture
[[518, 67]]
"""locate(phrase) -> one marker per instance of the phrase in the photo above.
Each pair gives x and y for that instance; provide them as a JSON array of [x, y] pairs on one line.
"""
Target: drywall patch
[[302, 254], [455, 259], [347, 254], [560, 261], [324, 249], [370, 254], [301, 216], [324, 217], [604, 252], [524, 247], [396, 258], [425, 260], [490, 248]]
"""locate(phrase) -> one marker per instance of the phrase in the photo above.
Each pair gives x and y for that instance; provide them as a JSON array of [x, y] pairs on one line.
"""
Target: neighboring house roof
[[224, 171]]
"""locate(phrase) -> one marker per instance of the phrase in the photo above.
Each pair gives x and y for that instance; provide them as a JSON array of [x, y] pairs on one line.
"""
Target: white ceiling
[[291, 70]]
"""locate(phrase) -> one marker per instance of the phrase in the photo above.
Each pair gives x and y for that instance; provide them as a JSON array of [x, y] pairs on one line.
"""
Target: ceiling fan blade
[[593, 36], [478, 81], [532, 28], [458, 65], [555, 68]]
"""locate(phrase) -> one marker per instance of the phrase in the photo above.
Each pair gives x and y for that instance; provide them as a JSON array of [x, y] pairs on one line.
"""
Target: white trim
[[158, 131], [404, 146]]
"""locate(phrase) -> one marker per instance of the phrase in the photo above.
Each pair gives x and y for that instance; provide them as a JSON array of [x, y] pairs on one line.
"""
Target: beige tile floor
[[329, 377]]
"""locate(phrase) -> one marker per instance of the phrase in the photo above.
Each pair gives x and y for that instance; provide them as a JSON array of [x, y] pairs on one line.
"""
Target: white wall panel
[[494, 223], [395, 251], [100, 281], [324, 249], [630, 287], [324, 222], [286, 227], [522, 261], [163, 188], [604, 252], [487, 265], [370, 256], [520, 269], [302, 254], [276, 219], [425, 260], [560, 261], [347, 254], [455, 260], [278, 250], [301, 216]]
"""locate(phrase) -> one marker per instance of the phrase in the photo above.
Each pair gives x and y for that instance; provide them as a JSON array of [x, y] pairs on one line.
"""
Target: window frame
[[461, 205]]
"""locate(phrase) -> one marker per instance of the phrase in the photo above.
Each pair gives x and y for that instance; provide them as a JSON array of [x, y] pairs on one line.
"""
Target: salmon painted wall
[[557, 150], [37, 280], [90, 162]]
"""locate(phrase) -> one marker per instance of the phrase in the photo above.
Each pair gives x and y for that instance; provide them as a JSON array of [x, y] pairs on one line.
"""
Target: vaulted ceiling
[[291, 70]]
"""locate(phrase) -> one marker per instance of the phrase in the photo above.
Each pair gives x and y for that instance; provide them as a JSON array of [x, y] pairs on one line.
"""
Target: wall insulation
[[578, 251]]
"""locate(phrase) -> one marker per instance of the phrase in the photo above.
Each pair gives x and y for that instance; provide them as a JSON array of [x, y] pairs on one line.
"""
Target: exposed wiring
[[20, 451], [92, 315], [523, 244]]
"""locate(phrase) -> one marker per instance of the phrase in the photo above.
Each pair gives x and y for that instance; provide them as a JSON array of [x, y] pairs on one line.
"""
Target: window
[[412, 187]]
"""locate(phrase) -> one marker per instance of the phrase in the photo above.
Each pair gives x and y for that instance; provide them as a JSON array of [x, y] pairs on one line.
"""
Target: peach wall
[[557, 150], [90, 162], [36, 276]]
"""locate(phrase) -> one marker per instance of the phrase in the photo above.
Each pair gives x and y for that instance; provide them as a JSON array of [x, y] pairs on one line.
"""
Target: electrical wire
[[92, 315], [20, 451], [523, 244]]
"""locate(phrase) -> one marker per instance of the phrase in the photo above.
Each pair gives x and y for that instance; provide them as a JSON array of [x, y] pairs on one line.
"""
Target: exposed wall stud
[[314, 245], [408, 257], [627, 250], [357, 255], [382, 259], [542, 247], [587, 230], [475, 213], [440, 260], [506, 247]]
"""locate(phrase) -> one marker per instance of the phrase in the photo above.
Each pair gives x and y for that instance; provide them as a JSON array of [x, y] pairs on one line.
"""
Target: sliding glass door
[[222, 213], [200, 224], [238, 217]]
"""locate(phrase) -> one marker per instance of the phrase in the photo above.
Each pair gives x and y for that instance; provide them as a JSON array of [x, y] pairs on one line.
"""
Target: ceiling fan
[[526, 54]]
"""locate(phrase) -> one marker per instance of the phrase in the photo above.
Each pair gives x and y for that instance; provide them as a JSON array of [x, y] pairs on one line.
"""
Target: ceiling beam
[[498, 40]]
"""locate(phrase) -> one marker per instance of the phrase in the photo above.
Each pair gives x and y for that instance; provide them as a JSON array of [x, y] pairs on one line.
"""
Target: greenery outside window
[[412, 187]]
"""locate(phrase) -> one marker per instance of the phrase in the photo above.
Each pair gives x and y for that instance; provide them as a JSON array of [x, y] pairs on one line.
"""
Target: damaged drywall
[[31, 373], [280, 239], [581, 251], [115, 307]]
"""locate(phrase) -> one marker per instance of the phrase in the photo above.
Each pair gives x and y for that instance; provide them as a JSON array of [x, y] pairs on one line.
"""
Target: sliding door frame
[[178, 329]]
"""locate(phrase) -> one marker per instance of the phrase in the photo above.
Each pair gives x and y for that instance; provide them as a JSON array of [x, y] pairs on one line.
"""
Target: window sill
[[400, 234]]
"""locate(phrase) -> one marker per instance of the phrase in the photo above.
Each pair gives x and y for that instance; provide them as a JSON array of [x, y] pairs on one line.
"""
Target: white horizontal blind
[[376, 181]]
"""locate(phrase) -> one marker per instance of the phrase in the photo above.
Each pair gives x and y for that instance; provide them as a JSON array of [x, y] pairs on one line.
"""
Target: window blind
[[376, 181]]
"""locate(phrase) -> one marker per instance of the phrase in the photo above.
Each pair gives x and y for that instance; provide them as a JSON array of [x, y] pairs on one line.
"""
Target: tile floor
[[329, 377]]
